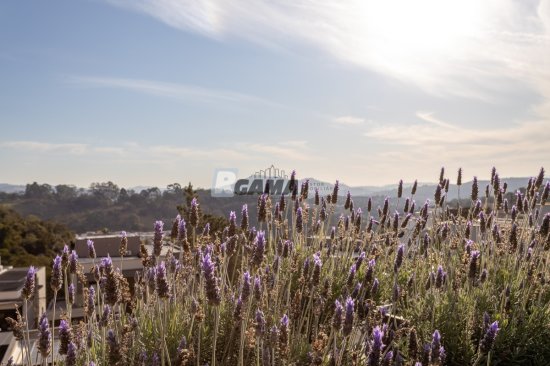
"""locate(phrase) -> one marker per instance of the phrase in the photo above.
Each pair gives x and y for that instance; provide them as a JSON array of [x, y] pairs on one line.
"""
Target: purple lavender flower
[[387, 361], [260, 323], [232, 223], [182, 345], [436, 345], [334, 196], [375, 287], [44, 336], [323, 214], [73, 262], [211, 281], [395, 292], [375, 347], [238, 312], [299, 220], [262, 208], [356, 290], [545, 225], [257, 288], [244, 219], [259, 249], [386, 207], [123, 243], [105, 317], [489, 339], [206, 229], [475, 189], [317, 263], [56, 281], [65, 256], [338, 314], [91, 249], [162, 285], [351, 275], [194, 214], [348, 201], [398, 258], [484, 274], [283, 332], [348, 321], [182, 230], [157, 238], [111, 286], [70, 360], [91, 302], [287, 248], [292, 181], [71, 290], [155, 360], [440, 277], [370, 271], [474, 256], [246, 287], [442, 355], [65, 336], [114, 348], [30, 284], [545, 193]]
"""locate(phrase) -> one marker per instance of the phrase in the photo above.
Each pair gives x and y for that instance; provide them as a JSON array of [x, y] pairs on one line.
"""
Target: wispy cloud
[[469, 48], [439, 141], [183, 92], [235, 152], [36, 146], [348, 120]]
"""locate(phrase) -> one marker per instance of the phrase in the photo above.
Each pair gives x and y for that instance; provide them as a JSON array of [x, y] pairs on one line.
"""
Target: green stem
[[216, 325]]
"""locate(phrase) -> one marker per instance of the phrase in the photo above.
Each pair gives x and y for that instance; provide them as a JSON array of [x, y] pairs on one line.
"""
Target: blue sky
[[147, 92]]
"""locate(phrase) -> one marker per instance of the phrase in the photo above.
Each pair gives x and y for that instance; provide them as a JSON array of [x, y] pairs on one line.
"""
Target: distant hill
[[11, 188], [107, 207]]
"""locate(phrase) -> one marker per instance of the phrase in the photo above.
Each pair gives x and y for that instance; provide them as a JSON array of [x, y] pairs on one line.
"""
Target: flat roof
[[13, 279]]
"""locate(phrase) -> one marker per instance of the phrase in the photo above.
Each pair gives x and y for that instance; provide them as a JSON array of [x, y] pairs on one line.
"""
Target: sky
[[152, 92]]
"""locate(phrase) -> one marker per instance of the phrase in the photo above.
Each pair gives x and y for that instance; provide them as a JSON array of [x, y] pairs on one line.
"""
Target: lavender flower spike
[[489, 338], [70, 360], [337, 317], [399, 258], [162, 285], [376, 346], [73, 262], [348, 321], [91, 249], [211, 282], [65, 336], [299, 220], [157, 238], [436, 345], [194, 215], [245, 291], [45, 336], [259, 249], [30, 283], [56, 281]]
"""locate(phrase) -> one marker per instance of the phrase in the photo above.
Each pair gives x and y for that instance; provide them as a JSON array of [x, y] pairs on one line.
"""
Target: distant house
[[12, 281], [107, 245]]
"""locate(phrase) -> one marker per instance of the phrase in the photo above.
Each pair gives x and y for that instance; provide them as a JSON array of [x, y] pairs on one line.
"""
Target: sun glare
[[406, 36]]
